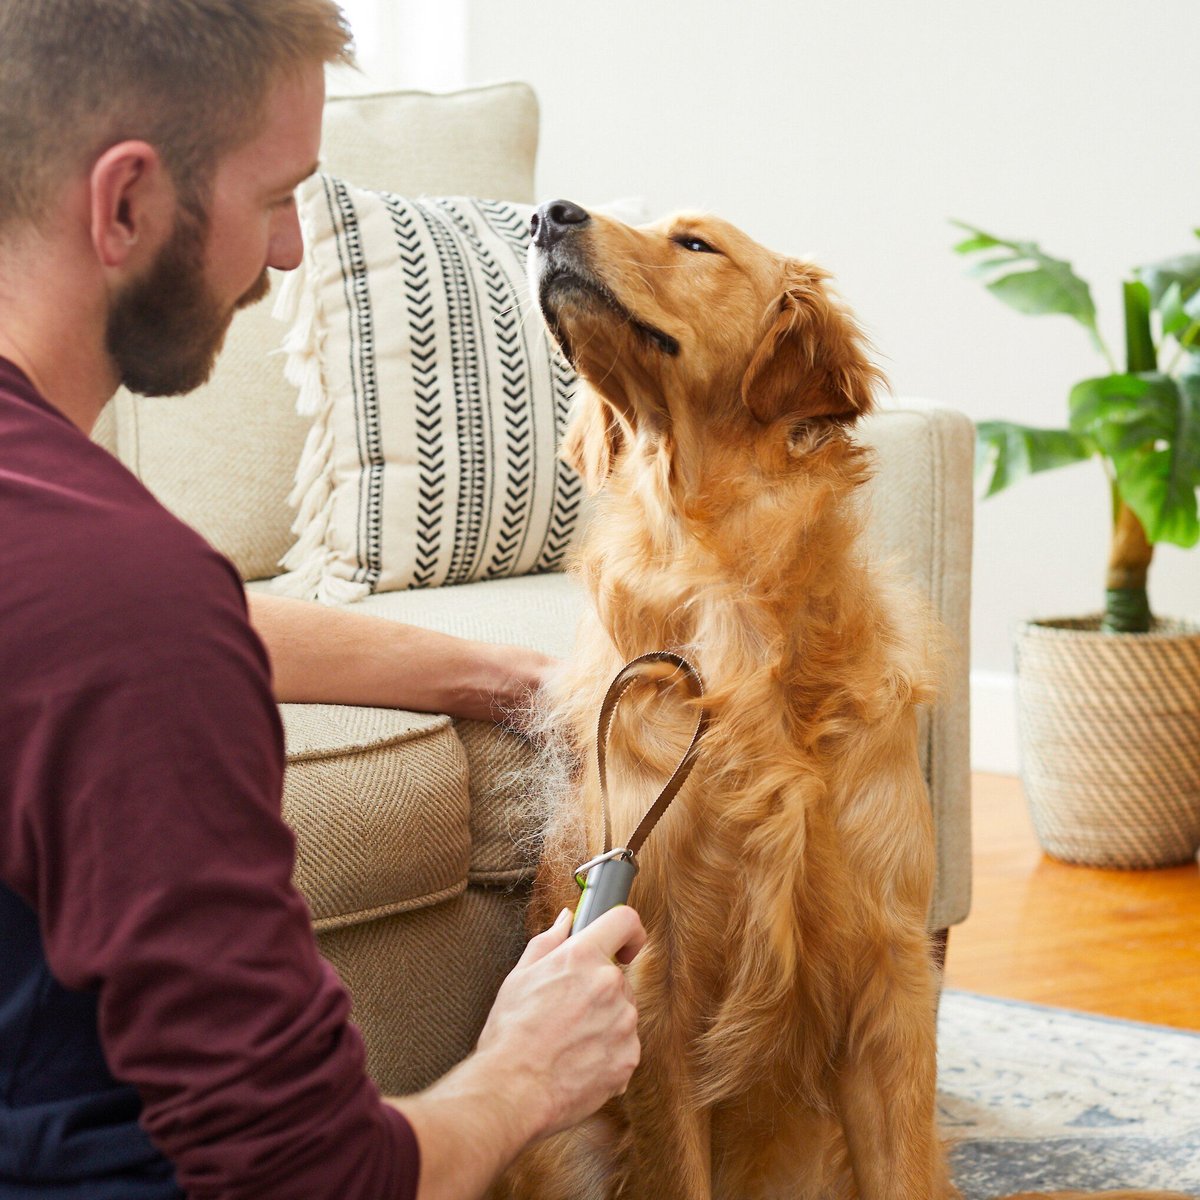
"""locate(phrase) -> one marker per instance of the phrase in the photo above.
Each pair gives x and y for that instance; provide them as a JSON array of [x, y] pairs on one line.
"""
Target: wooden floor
[[1123, 943]]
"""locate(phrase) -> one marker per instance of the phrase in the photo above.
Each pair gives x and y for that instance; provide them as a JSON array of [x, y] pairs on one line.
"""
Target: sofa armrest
[[921, 512]]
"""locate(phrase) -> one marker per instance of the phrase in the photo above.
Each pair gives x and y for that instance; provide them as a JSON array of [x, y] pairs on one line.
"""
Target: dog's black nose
[[555, 219]]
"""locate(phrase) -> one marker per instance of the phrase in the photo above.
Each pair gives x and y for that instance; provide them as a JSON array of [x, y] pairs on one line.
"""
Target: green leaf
[[1150, 487], [1028, 279], [1140, 352], [1188, 337], [1005, 452], [1122, 412], [1174, 319], [1158, 478], [1044, 291], [979, 242], [1158, 277]]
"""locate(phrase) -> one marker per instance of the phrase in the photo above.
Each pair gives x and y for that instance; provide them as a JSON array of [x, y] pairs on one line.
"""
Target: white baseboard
[[994, 722]]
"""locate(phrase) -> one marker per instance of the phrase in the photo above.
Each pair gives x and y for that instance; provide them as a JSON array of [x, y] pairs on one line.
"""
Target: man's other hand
[[565, 1019], [560, 1040]]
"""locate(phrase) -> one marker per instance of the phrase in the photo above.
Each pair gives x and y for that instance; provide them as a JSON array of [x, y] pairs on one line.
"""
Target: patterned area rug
[[1040, 1099]]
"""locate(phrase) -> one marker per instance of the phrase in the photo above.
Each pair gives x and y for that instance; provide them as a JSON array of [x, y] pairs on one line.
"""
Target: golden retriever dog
[[787, 991]]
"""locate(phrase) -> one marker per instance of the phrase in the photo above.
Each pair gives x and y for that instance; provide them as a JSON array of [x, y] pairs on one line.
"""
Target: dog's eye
[[688, 242]]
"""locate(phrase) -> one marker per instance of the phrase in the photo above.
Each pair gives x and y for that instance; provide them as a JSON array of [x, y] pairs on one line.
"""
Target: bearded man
[[167, 1026]]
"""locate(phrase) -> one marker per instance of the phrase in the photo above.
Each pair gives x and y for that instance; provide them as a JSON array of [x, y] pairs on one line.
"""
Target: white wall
[[852, 131], [405, 43]]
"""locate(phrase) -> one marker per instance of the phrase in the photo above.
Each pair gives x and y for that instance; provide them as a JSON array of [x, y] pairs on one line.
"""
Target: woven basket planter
[[1108, 730]]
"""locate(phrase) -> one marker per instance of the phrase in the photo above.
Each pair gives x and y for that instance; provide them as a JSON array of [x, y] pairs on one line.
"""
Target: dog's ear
[[811, 361], [593, 438]]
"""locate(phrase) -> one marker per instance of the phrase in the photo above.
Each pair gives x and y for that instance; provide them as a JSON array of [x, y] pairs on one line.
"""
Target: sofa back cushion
[[224, 458]]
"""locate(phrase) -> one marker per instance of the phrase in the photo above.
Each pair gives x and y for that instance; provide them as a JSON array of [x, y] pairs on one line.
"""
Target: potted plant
[[1109, 705]]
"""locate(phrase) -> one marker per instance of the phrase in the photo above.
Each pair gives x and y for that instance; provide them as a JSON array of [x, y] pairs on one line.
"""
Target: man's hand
[[506, 689], [561, 1039], [565, 1020]]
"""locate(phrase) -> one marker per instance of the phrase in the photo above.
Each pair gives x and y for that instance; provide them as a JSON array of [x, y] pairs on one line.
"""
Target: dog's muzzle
[[554, 221], [560, 268]]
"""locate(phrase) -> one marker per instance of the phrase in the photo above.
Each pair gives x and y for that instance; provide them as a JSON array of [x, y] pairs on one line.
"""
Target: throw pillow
[[438, 399]]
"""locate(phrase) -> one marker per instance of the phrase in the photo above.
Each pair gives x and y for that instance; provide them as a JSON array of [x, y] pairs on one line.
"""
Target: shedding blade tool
[[606, 879]]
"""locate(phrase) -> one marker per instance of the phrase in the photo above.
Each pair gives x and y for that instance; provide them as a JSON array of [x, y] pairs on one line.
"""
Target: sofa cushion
[[379, 804], [505, 822], [341, 758], [223, 458], [423, 982], [537, 611], [439, 399], [476, 142]]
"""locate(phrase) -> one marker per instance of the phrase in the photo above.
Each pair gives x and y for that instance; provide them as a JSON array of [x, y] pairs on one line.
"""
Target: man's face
[[166, 328]]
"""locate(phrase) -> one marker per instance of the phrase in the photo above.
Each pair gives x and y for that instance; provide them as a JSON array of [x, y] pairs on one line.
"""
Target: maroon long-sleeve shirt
[[148, 924]]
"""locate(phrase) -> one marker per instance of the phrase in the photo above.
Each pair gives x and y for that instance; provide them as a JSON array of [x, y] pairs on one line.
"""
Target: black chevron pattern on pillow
[[423, 347], [512, 398], [466, 378], [568, 490], [507, 220]]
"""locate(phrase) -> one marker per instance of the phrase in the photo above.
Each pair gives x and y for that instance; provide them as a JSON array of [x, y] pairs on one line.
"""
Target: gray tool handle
[[606, 885]]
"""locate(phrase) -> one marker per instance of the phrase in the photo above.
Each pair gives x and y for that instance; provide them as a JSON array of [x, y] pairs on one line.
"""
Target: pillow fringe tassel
[[310, 562]]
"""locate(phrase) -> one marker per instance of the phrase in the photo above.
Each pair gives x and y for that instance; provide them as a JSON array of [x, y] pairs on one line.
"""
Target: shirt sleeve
[[150, 841]]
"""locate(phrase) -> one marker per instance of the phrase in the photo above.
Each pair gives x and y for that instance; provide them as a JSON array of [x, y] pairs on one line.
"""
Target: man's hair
[[191, 77]]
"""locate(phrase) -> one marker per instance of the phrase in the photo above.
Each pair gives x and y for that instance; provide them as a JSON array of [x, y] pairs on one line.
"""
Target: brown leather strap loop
[[627, 675]]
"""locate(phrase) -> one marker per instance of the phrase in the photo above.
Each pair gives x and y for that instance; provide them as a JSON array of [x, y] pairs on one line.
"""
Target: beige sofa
[[412, 850]]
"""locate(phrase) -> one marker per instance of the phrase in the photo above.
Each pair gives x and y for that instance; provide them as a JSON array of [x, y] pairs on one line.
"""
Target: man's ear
[[812, 359], [132, 204], [594, 437]]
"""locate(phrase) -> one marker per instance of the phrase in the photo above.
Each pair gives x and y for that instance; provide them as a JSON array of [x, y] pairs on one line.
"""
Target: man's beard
[[166, 328]]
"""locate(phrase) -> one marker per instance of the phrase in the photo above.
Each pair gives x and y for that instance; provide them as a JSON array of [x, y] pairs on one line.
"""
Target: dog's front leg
[[582, 1163], [670, 1130], [886, 1080], [672, 1148]]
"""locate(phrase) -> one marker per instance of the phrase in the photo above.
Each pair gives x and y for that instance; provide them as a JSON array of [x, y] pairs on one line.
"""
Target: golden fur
[[786, 993]]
